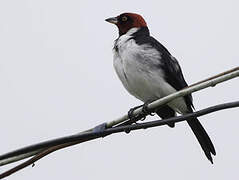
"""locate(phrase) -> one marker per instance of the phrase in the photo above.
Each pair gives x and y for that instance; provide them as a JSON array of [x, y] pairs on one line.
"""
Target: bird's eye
[[124, 18]]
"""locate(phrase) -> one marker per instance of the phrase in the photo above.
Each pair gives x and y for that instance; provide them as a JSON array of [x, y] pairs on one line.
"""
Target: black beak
[[112, 20]]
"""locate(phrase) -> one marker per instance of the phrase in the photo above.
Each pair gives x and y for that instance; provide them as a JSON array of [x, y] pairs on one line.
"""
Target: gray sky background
[[57, 78]]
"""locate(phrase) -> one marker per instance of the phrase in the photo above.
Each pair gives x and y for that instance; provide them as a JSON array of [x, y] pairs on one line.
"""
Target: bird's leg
[[146, 111], [131, 112], [143, 114]]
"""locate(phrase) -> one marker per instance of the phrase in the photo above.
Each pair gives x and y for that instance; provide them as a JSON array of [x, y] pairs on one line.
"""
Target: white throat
[[124, 38], [132, 31]]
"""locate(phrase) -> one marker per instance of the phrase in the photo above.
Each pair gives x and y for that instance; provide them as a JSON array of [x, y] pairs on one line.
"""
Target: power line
[[87, 136]]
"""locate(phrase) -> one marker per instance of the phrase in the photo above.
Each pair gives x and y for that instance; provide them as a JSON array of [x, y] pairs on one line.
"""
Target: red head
[[126, 21]]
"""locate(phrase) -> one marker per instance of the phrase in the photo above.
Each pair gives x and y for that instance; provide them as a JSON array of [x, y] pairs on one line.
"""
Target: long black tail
[[200, 133], [202, 138]]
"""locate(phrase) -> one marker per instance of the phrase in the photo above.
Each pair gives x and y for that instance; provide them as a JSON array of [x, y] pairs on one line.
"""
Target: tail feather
[[202, 138], [200, 133]]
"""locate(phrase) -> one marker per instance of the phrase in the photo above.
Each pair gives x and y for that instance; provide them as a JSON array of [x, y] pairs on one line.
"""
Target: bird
[[149, 72]]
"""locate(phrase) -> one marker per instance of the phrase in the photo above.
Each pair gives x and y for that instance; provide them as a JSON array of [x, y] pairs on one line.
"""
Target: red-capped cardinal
[[149, 72]]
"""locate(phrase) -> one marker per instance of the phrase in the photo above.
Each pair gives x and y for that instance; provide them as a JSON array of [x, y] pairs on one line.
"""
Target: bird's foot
[[131, 112], [142, 116], [145, 110]]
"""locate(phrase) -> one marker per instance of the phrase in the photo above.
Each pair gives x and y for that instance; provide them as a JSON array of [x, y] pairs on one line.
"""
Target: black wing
[[172, 70]]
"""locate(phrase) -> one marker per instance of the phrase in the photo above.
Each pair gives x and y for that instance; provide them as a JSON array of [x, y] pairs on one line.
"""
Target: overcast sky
[[57, 79]]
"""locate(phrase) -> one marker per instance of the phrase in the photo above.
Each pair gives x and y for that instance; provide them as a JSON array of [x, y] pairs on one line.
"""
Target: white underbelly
[[146, 86]]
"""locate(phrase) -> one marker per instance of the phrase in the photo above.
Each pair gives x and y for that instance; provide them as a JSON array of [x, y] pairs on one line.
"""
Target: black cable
[[125, 128]]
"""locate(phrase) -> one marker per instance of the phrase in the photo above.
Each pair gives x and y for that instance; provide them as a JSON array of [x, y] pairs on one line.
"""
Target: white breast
[[138, 69]]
